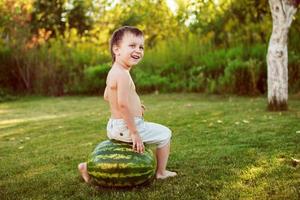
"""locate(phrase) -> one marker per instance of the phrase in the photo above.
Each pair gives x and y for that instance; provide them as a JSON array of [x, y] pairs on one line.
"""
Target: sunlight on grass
[[3, 111], [251, 173], [254, 181], [35, 171], [12, 122]]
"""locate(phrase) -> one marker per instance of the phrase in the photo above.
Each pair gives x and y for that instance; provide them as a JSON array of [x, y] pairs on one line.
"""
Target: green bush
[[241, 77], [54, 68], [5, 95], [237, 70], [95, 79], [294, 72], [74, 62], [196, 80], [6, 77], [147, 82], [182, 64]]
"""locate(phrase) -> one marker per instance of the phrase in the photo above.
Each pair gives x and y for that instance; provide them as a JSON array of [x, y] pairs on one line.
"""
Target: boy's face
[[130, 50]]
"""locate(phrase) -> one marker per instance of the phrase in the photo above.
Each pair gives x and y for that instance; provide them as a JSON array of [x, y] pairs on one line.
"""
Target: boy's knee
[[168, 133], [166, 137]]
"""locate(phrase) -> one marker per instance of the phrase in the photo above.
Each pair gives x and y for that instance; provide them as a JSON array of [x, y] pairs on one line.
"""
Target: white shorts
[[151, 133]]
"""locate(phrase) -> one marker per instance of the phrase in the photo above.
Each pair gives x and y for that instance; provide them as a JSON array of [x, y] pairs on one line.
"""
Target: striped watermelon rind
[[115, 164]]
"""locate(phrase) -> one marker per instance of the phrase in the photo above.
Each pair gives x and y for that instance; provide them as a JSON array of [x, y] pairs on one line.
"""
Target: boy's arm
[[123, 101], [105, 96], [143, 109], [123, 88]]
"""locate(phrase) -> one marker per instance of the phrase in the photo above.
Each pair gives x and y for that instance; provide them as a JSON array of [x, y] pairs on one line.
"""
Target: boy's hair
[[117, 36]]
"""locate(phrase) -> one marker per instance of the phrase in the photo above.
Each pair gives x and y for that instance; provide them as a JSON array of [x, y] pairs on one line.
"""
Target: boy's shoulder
[[116, 70], [115, 73]]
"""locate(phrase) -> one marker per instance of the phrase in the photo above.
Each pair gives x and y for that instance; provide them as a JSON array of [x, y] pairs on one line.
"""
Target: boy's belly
[[134, 105], [136, 112]]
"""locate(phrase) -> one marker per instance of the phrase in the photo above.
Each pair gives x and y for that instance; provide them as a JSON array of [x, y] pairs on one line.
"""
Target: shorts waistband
[[121, 119]]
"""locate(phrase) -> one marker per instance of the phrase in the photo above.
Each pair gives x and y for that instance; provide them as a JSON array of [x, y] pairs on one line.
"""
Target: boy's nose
[[138, 50]]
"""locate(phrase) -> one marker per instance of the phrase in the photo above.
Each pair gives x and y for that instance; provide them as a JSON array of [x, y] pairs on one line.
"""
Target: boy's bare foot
[[82, 167], [165, 175]]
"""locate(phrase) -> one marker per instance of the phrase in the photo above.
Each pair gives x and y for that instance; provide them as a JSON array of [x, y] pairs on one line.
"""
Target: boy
[[126, 123]]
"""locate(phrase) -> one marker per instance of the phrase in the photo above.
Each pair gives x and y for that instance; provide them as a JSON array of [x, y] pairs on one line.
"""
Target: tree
[[48, 15], [153, 17], [56, 15], [15, 33], [77, 16], [277, 56]]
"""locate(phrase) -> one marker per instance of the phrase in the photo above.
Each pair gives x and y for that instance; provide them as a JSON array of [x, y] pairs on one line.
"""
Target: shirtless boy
[[126, 122]]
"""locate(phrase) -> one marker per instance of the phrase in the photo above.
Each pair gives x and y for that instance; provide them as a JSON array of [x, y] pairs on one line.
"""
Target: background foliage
[[61, 47]]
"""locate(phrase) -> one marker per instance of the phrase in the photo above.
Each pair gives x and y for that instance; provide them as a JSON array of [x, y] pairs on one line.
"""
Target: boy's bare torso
[[111, 93]]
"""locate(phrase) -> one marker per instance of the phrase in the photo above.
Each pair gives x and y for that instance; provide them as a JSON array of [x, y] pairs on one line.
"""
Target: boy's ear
[[115, 49]]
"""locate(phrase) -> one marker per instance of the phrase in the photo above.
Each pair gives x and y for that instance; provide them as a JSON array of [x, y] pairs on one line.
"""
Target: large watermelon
[[115, 164]]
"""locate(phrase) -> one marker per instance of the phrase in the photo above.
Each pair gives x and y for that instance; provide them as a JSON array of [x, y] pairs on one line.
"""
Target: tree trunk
[[23, 72], [277, 57]]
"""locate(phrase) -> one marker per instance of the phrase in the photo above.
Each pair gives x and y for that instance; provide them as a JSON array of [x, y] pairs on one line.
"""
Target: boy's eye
[[141, 47], [132, 45]]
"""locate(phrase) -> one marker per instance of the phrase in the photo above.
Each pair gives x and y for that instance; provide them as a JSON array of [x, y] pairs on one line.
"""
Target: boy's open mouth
[[135, 57]]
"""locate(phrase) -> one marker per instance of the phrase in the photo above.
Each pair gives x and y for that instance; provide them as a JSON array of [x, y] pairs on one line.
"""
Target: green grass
[[222, 148]]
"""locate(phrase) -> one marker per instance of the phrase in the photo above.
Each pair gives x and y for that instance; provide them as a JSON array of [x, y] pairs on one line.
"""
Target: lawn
[[223, 147]]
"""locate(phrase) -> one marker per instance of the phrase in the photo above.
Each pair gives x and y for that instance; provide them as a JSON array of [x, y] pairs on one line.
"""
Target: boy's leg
[[82, 167], [153, 133], [162, 155]]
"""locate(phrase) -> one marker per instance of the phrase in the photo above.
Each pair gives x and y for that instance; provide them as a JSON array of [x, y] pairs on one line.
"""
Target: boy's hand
[[143, 109], [138, 144]]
